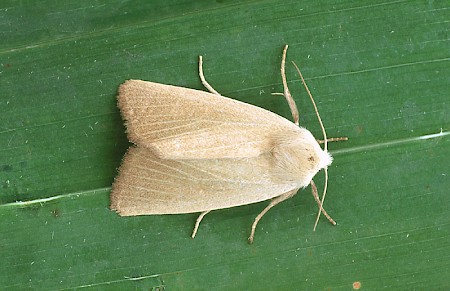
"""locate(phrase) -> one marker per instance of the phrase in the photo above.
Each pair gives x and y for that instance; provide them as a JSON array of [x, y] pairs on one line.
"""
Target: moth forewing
[[147, 184], [182, 123]]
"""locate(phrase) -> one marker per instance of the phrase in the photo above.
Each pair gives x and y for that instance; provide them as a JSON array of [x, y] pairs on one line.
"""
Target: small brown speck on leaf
[[356, 285]]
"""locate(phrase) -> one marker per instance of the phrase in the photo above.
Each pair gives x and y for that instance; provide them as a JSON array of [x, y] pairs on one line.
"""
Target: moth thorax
[[301, 161]]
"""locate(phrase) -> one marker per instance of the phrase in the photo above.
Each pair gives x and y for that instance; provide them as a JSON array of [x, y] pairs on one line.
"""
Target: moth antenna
[[316, 197], [323, 197], [325, 147]]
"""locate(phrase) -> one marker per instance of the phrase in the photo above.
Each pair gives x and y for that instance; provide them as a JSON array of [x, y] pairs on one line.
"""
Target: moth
[[197, 151]]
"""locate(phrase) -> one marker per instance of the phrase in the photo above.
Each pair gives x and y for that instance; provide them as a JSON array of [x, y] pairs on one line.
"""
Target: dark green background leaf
[[378, 70]]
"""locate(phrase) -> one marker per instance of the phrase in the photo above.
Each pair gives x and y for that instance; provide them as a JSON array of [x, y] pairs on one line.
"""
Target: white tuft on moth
[[196, 151]]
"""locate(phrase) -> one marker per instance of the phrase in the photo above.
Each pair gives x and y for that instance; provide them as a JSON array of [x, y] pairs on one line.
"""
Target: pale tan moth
[[196, 151]]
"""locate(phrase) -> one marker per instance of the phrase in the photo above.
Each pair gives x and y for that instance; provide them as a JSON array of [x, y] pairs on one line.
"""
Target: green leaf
[[378, 70]]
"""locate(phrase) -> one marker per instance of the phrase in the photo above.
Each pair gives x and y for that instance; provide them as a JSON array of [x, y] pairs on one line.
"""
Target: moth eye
[[311, 159]]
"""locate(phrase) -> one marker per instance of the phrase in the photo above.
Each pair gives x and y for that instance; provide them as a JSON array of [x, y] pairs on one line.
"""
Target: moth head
[[325, 159]]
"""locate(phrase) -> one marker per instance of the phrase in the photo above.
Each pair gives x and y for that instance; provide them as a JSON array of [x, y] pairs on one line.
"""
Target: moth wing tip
[[114, 201], [115, 207]]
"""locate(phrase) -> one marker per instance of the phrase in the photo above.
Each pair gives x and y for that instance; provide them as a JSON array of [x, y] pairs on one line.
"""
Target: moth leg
[[274, 202], [202, 77], [197, 222], [315, 194], [321, 141], [286, 93]]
